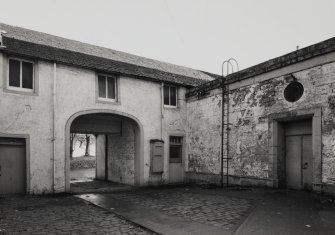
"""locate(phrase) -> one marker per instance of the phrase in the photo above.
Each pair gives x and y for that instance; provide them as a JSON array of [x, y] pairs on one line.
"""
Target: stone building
[[158, 123], [279, 128], [51, 86]]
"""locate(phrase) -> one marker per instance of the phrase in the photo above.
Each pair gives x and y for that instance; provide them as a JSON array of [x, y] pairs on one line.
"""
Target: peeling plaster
[[249, 109]]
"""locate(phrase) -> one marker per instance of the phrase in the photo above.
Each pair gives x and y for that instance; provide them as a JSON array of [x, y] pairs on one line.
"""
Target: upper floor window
[[170, 95], [21, 75], [107, 87]]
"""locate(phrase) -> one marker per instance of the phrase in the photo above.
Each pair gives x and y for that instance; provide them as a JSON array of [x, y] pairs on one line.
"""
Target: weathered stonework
[[251, 116], [254, 105], [204, 134]]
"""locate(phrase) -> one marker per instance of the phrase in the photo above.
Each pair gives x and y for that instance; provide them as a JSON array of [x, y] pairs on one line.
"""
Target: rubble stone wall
[[253, 104], [204, 136]]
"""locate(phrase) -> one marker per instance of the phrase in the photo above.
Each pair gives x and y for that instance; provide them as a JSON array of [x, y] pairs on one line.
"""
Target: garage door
[[12, 166]]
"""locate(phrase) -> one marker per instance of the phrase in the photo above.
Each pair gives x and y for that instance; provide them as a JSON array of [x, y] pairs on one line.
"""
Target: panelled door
[[176, 172], [12, 166], [299, 155]]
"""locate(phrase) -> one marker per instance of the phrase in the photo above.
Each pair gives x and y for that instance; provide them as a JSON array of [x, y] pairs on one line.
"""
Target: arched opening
[[117, 142]]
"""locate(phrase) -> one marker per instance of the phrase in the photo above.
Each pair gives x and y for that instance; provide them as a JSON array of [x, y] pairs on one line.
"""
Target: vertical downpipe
[[106, 155], [54, 84], [162, 108], [162, 117]]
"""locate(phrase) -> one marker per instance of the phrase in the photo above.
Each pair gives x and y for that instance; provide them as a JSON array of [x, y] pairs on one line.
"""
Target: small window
[[20, 75], [107, 87], [176, 149], [170, 96]]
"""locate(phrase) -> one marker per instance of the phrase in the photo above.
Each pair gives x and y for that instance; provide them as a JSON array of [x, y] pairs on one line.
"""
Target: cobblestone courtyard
[[59, 215], [214, 210], [170, 210]]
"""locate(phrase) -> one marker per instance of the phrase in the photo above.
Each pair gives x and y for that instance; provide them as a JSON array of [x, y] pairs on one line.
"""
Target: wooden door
[[176, 173], [12, 166], [293, 162], [299, 155], [307, 162]]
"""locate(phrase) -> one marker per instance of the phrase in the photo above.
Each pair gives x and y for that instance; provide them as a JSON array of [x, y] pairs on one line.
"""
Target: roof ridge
[[116, 53], [74, 58]]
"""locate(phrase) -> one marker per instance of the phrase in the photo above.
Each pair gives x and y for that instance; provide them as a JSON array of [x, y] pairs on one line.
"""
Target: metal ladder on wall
[[225, 125]]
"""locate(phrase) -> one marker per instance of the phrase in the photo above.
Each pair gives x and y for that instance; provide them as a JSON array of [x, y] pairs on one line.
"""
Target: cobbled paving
[[215, 210], [59, 215]]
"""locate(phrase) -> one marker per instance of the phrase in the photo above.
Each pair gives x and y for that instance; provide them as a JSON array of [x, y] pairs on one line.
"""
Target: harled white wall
[[76, 92]]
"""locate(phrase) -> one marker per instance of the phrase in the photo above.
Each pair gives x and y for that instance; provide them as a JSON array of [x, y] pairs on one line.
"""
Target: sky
[[200, 34]]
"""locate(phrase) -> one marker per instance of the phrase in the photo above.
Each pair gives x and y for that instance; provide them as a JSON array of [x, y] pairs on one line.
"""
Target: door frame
[[276, 138], [184, 153], [27, 153]]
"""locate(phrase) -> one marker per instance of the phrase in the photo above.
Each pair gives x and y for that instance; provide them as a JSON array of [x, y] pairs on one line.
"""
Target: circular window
[[293, 91]]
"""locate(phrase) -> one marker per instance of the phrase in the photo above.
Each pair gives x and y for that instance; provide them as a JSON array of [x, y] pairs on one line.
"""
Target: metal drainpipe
[[162, 105], [106, 155], [54, 124]]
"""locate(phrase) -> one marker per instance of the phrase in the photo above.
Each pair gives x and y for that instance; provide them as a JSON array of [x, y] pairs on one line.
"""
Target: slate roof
[[25, 42], [318, 49]]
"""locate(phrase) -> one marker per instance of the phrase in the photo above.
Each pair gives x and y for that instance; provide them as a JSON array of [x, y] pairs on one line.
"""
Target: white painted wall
[[76, 92]]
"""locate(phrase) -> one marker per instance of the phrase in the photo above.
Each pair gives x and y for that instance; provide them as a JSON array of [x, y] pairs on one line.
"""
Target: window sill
[[107, 101], [20, 91], [173, 108]]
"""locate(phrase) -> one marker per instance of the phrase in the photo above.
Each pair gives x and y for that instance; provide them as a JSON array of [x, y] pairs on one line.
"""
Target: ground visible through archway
[[97, 186]]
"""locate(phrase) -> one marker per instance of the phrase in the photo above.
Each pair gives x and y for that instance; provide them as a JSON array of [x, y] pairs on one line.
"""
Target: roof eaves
[[213, 75], [204, 89], [48, 53], [306, 53]]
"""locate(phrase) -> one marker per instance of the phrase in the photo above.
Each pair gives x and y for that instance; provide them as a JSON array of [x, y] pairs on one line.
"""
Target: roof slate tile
[[45, 46]]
